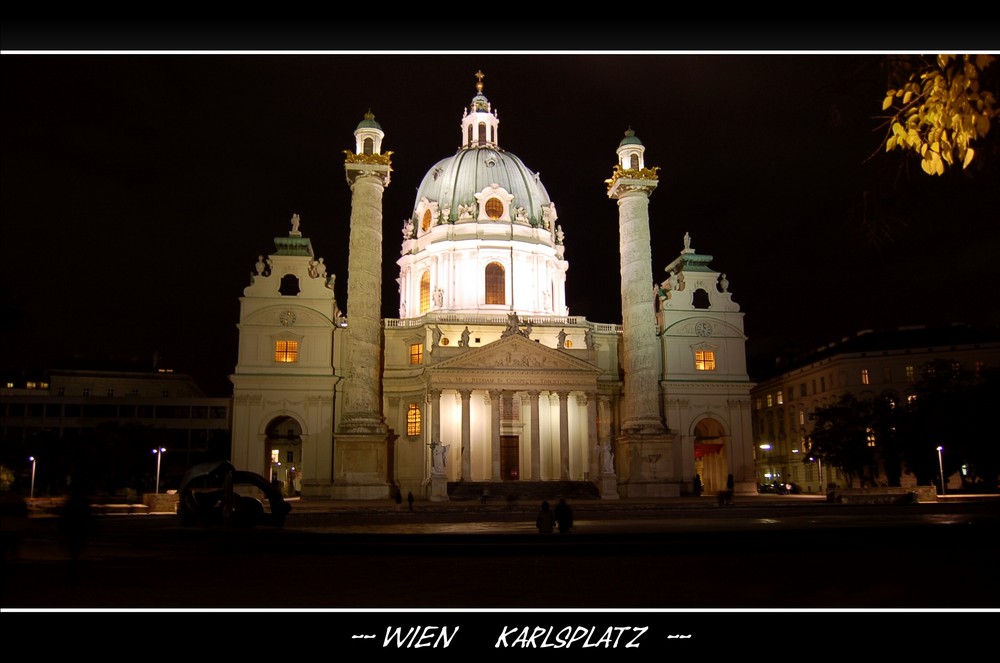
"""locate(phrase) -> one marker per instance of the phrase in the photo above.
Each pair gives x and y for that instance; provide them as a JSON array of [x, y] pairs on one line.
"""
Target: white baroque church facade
[[485, 380]]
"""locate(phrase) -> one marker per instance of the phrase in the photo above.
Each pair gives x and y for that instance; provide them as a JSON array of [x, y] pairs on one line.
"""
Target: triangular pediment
[[516, 362]]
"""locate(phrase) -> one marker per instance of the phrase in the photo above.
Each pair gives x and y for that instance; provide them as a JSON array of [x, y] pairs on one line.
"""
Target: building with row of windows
[[159, 408], [867, 364], [485, 376]]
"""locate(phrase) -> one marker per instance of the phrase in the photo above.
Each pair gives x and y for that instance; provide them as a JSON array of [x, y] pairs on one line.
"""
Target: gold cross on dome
[[479, 81]]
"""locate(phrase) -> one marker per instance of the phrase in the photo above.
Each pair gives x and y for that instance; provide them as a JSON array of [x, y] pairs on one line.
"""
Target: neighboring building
[[486, 377], [867, 364], [165, 409]]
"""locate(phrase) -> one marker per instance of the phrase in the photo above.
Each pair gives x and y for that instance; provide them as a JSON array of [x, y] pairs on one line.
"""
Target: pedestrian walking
[[409, 499], [564, 516], [545, 521]]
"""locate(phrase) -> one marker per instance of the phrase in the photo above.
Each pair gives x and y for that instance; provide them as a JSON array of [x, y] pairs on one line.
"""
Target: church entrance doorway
[[510, 458], [710, 455], [284, 455]]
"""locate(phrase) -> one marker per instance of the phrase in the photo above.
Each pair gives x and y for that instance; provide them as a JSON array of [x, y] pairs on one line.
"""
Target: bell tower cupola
[[368, 136]]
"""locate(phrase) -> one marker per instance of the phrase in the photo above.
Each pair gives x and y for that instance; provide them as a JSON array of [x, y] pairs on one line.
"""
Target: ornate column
[[536, 445], [631, 187], [360, 443], [466, 395], [495, 396], [435, 396], [368, 175], [563, 435], [643, 434]]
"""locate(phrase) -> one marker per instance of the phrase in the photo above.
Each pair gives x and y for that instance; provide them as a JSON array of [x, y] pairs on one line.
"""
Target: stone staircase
[[523, 491]]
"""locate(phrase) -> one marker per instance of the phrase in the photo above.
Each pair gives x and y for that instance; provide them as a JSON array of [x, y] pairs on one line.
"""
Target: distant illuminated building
[[868, 364]]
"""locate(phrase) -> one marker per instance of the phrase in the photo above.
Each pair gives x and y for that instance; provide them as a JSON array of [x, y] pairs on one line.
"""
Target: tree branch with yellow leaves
[[940, 111]]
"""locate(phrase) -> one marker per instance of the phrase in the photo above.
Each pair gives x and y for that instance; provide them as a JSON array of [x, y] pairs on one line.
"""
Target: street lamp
[[941, 467], [33, 461], [159, 456], [766, 471]]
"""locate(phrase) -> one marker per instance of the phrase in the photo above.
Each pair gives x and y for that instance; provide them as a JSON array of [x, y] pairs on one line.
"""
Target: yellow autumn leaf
[[887, 102], [968, 158]]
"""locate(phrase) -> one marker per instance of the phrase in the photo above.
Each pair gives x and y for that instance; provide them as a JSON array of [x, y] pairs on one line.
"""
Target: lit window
[[413, 419], [865, 379], [770, 401], [31, 385], [870, 437], [495, 290], [275, 455], [425, 223], [802, 417], [909, 374], [286, 352], [704, 360], [417, 353], [494, 208], [425, 292], [781, 398], [43, 385]]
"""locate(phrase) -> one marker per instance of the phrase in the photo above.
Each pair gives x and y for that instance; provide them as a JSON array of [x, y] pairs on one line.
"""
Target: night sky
[[138, 189]]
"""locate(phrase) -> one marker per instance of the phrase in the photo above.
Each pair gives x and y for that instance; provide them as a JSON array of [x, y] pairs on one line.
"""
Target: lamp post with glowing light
[[941, 468], [33, 461], [766, 471], [159, 457]]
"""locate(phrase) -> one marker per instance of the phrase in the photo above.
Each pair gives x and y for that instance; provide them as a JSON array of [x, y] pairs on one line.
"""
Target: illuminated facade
[[485, 376]]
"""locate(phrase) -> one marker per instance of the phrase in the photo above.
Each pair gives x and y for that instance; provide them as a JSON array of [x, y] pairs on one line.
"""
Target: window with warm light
[[770, 400], [909, 373], [865, 378], [425, 292], [413, 419], [870, 437], [495, 290], [416, 353], [781, 397], [494, 208], [286, 352], [425, 223], [704, 360]]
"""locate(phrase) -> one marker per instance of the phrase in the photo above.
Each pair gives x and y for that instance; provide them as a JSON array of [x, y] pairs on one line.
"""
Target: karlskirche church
[[485, 381]]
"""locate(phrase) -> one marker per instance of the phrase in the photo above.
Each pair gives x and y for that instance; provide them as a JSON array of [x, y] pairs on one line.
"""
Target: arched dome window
[[470, 135], [425, 223], [494, 208], [700, 299], [482, 133], [425, 292], [495, 293], [634, 162], [369, 146]]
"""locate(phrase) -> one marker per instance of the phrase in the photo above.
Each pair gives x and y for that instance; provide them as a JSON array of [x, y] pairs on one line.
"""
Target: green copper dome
[[369, 122], [630, 139]]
